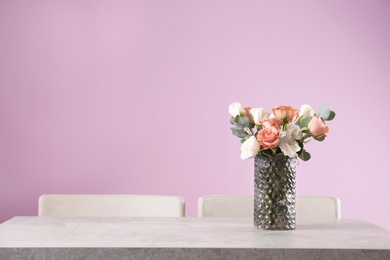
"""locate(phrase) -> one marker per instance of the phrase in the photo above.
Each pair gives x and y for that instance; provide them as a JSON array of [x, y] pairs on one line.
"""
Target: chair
[[307, 207], [110, 205], [220, 206]]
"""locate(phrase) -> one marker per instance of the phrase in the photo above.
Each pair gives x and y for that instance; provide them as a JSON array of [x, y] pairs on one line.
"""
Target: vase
[[274, 195]]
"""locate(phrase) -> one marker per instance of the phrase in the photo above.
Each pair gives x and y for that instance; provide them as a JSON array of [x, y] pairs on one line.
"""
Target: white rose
[[294, 132], [288, 143], [236, 109], [259, 114], [289, 147], [250, 148], [306, 111]]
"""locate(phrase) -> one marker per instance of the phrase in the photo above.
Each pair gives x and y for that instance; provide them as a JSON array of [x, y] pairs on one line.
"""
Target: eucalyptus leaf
[[323, 112], [239, 132], [305, 156], [331, 116], [305, 122], [243, 121], [320, 139], [232, 121]]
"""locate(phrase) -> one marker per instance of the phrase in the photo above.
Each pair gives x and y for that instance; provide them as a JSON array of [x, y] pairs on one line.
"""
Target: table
[[187, 238]]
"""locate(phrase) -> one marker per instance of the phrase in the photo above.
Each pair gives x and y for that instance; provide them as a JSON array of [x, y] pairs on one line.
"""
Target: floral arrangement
[[283, 133]]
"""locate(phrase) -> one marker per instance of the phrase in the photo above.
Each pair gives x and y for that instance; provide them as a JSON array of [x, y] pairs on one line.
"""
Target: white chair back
[[110, 205], [317, 207], [219, 206], [307, 207]]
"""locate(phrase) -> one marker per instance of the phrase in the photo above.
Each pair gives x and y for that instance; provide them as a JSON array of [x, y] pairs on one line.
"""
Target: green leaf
[[331, 116], [305, 156], [232, 121], [323, 112], [239, 132], [320, 139], [305, 122], [280, 155], [243, 121]]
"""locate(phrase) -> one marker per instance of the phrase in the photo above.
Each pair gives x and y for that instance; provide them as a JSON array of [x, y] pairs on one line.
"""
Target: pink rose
[[283, 112], [269, 136], [318, 127]]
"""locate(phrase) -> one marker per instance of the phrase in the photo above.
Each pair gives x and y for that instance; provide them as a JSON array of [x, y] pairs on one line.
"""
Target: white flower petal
[[306, 111], [294, 132], [236, 109], [289, 147], [259, 114], [250, 148]]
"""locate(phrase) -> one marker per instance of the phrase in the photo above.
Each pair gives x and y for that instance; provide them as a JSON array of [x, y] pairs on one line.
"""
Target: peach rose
[[248, 115], [318, 127], [269, 136], [283, 112], [271, 122]]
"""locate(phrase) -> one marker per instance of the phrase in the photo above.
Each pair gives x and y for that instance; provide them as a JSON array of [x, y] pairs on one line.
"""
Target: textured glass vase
[[274, 203]]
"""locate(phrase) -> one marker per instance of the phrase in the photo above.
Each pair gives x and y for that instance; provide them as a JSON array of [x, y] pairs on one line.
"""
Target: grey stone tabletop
[[218, 238]]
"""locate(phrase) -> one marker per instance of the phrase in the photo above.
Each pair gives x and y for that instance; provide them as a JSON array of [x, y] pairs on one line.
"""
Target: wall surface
[[132, 96]]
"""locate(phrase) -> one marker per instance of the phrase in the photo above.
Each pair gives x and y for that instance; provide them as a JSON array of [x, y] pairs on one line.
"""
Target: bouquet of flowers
[[283, 133]]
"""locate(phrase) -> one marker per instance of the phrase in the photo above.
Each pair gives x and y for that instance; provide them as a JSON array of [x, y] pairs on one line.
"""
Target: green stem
[[307, 135]]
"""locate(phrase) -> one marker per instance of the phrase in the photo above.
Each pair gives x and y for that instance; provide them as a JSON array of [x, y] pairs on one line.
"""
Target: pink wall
[[132, 96]]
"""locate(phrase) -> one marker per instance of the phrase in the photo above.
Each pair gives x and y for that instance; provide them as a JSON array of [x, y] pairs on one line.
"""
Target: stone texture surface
[[187, 238]]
